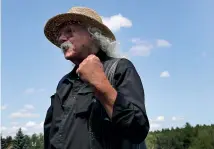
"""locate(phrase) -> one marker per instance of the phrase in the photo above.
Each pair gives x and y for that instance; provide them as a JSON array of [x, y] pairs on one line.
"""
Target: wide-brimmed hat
[[83, 15]]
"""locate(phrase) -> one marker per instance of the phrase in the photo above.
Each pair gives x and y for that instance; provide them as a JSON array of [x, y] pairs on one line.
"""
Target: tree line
[[22, 141], [188, 137]]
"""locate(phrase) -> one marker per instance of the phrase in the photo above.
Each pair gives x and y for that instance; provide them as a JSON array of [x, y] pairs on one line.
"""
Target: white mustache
[[66, 45]]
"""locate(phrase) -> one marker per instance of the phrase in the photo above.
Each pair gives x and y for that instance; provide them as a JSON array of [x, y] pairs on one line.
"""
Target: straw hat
[[83, 15]]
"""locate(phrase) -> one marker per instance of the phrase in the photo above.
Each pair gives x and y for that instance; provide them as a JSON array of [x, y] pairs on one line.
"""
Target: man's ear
[[92, 38]]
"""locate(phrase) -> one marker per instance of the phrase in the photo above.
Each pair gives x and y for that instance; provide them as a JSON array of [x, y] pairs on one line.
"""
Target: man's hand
[[91, 70]]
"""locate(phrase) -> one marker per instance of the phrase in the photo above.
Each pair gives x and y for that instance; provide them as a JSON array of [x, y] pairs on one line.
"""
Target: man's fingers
[[92, 56], [77, 71]]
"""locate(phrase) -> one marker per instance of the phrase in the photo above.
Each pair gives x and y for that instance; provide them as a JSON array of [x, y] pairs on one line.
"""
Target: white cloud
[[157, 119], [13, 130], [33, 90], [155, 126], [3, 128], [143, 47], [3, 107], [163, 43], [164, 74], [155, 123], [25, 112], [30, 90], [24, 115], [160, 122], [15, 127], [160, 118], [140, 50], [28, 128], [28, 107], [140, 47], [174, 118], [116, 22], [34, 125], [30, 124], [14, 123], [41, 124], [24, 129], [138, 41]]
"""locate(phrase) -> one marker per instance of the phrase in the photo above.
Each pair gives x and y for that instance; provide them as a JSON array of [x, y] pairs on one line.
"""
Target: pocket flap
[[86, 89]]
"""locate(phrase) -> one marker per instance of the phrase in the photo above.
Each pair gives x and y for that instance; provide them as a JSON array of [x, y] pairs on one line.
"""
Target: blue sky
[[169, 42]]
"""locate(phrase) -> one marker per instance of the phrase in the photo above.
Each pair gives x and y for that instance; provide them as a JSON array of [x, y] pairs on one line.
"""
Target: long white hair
[[111, 48]]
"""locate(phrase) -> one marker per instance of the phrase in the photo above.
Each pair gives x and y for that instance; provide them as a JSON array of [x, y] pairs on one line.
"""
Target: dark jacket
[[128, 127]]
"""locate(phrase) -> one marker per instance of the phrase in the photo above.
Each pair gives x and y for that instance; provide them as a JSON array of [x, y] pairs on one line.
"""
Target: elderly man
[[87, 110]]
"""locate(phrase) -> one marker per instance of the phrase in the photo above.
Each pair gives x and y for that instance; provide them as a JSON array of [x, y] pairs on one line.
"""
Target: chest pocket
[[84, 100]]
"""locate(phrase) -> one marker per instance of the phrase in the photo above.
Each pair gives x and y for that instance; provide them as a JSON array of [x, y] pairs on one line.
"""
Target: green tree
[[37, 141], [3, 143], [189, 137], [204, 140], [41, 141], [20, 141], [27, 141], [9, 141]]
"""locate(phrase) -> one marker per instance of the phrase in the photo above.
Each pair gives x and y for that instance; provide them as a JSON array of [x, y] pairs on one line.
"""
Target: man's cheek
[[82, 46]]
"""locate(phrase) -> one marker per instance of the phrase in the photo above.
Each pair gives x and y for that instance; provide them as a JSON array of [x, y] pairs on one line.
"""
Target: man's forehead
[[71, 24], [64, 27]]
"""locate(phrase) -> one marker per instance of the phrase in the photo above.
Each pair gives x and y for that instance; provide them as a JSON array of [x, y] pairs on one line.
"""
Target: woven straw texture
[[84, 15]]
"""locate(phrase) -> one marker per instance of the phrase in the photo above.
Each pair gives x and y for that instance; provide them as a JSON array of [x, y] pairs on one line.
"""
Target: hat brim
[[53, 25]]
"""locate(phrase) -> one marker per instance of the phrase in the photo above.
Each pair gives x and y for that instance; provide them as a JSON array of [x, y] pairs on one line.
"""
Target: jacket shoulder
[[124, 64], [122, 61]]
